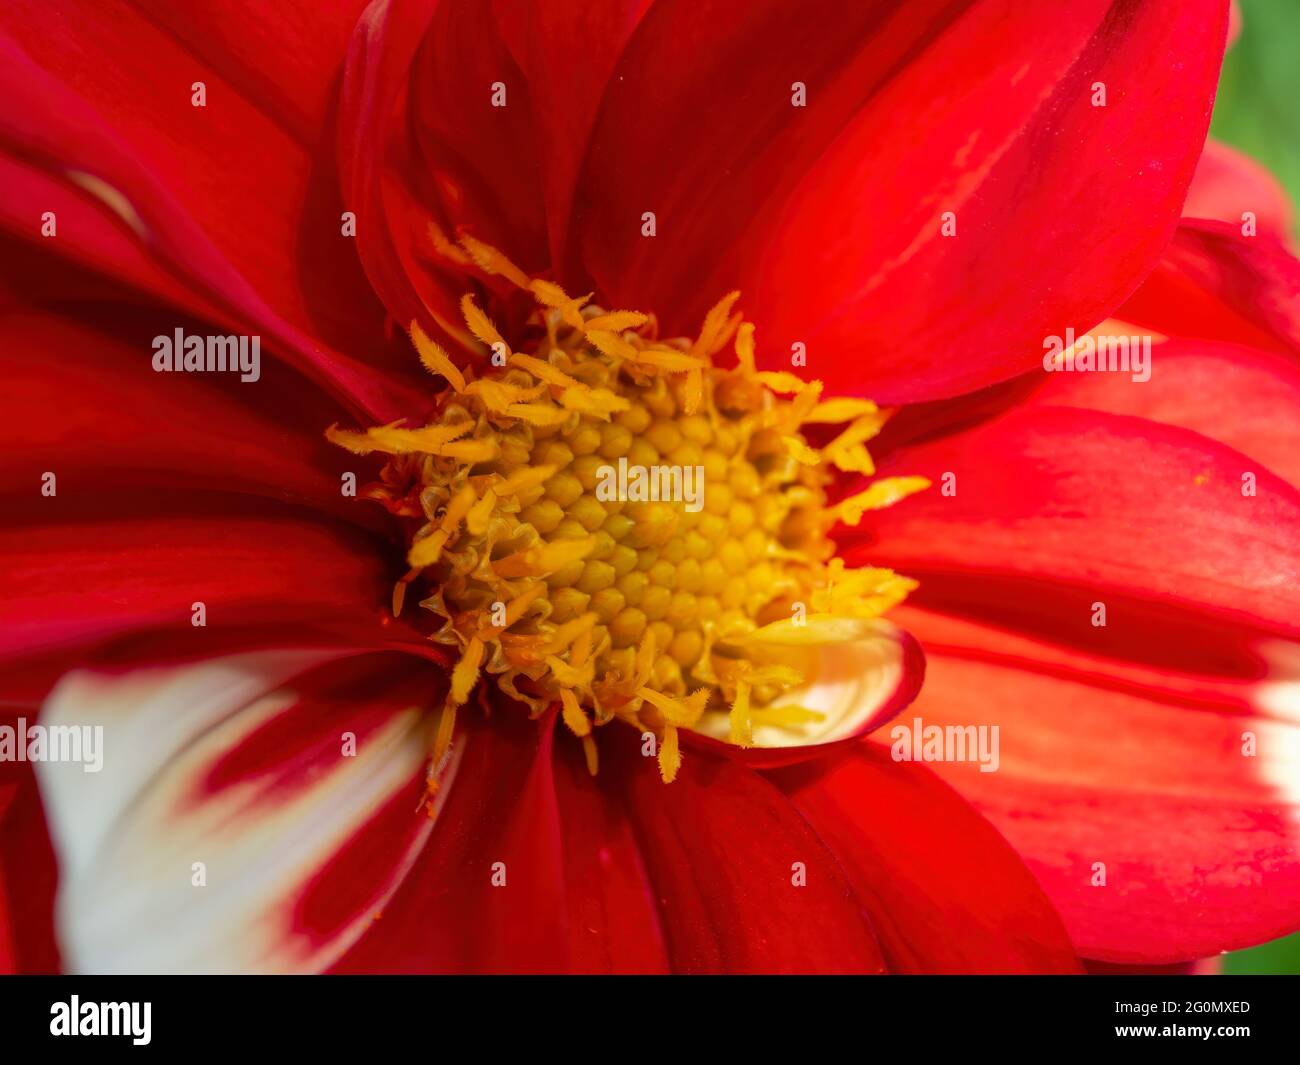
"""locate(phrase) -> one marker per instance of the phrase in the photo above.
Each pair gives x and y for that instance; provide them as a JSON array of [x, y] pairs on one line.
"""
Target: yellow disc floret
[[610, 523]]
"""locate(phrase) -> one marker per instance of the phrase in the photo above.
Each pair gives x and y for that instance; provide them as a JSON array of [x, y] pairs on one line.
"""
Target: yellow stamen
[[670, 756], [741, 733], [465, 674], [882, 493], [491, 261], [396, 441], [573, 715], [838, 410], [444, 246], [481, 325], [745, 347], [544, 371], [616, 605], [434, 359], [617, 321], [713, 332]]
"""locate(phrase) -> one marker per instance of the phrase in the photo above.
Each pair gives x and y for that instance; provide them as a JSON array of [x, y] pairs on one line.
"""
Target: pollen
[[554, 576]]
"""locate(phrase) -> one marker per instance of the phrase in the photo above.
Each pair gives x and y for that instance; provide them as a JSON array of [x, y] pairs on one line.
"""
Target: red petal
[[216, 196], [1095, 507], [724, 850], [82, 582], [28, 874], [376, 169], [945, 892], [614, 922], [1035, 173], [564, 108], [85, 404], [1216, 284], [1242, 397], [1143, 772], [284, 56]]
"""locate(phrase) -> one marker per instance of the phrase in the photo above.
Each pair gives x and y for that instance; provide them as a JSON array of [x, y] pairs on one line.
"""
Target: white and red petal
[[857, 685], [488, 893], [230, 829]]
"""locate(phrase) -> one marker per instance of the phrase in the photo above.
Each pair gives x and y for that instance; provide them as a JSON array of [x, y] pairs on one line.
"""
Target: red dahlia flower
[[418, 735]]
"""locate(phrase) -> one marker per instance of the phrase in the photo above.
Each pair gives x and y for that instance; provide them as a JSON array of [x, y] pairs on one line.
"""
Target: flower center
[[609, 521]]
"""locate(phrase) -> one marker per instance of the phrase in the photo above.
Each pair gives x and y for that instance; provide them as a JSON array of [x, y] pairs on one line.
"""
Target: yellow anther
[[611, 344], [573, 715], [745, 347], [538, 413], [839, 410], [741, 733], [645, 659], [713, 332], [427, 551], [597, 402], [782, 381], [442, 739], [668, 360], [863, 428], [491, 261], [549, 294], [471, 451], [570, 631], [592, 756], [434, 359], [498, 396], [443, 245], [670, 755], [465, 674], [882, 493], [694, 394], [852, 459], [801, 452], [393, 440], [544, 371], [524, 479], [617, 321], [516, 607], [678, 711], [476, 521], [481, 325], [543, 559]]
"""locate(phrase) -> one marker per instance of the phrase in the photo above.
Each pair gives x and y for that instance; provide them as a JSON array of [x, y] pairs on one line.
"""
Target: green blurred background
[[1258, 111], [1258, 108]]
